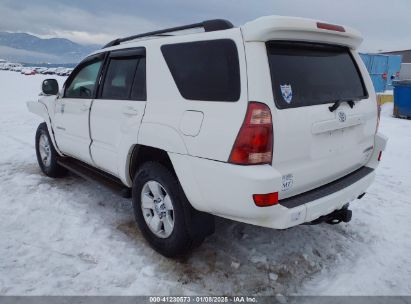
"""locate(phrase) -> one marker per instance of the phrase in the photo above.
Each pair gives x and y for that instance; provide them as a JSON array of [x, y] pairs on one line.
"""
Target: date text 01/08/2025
[[201, 299]]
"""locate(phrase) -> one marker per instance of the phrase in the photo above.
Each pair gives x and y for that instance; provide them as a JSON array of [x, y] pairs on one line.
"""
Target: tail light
[[397, 75], [254, 143], [384, 76]]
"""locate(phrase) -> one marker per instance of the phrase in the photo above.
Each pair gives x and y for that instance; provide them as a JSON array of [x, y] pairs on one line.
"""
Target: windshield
[[306, 74]]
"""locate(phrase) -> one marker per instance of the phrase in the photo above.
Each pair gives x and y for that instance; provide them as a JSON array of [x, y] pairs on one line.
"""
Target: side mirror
[[50, 87]]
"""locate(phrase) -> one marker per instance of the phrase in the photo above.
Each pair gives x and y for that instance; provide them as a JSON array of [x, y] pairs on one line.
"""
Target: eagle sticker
[[287, 92]]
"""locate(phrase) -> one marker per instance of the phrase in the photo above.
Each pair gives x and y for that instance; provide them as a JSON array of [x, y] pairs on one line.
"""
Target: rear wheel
[[46, 154], [157, 209], [167, 220]]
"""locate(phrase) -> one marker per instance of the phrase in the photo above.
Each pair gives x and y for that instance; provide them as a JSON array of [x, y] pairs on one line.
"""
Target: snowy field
[[67, 237]]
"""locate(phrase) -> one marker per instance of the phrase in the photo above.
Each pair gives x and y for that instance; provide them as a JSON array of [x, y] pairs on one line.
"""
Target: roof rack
[[208, 25]]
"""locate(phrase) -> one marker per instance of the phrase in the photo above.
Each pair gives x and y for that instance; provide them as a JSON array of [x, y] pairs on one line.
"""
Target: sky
[[384, 24]]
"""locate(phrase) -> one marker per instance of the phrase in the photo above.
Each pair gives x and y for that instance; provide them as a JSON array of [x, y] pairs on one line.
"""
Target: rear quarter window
[[306, 74], [205, 70]]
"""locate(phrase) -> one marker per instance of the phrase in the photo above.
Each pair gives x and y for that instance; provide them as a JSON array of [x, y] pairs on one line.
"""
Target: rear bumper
[[327, 189], [226, 190]]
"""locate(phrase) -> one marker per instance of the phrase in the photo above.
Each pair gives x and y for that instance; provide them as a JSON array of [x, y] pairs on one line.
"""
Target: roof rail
[[208, 25]]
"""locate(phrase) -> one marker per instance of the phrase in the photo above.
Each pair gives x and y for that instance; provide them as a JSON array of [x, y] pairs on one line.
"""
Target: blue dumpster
[[383, 69], [402, 98]]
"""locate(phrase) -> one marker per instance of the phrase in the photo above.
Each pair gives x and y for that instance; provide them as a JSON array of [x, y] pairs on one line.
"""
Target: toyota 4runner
[[273, 123]]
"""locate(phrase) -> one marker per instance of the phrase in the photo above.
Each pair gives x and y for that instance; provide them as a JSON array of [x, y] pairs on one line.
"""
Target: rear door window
[[306, 74], [124, 77], [119, 78], [205, 70]]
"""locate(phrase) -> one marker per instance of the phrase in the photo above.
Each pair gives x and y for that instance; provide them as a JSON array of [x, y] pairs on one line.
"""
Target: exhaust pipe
[[334, 218]]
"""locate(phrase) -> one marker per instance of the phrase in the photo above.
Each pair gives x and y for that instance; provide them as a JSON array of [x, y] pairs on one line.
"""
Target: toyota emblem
[[342, 117]]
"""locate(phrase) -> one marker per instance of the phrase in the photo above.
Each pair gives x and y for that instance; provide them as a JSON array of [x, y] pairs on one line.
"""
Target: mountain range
[[23, 47]]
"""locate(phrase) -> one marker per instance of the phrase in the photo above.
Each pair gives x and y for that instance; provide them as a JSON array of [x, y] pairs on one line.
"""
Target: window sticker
[[287, 92]]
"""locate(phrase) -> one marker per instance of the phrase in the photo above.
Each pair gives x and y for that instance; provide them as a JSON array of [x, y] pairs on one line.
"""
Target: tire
[[154, 186], [47, 154]]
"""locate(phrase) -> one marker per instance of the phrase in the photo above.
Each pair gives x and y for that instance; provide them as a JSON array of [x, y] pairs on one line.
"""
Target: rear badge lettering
[[287, 92], [288, 182]]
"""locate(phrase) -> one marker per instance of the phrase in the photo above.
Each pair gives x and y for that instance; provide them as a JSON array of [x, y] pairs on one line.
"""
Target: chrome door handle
[[130, 111], [84, 108]]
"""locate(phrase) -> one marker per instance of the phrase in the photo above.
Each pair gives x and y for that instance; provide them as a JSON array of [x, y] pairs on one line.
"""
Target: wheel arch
[[140, 154], [154, 142], [40, 109], [161, 136]]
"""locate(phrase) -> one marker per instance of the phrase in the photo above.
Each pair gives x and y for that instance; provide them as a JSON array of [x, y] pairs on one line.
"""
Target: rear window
[[304, 74], [205, 70]]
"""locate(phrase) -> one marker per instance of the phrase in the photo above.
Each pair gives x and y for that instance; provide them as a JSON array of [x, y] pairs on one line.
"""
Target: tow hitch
[[334, 218]]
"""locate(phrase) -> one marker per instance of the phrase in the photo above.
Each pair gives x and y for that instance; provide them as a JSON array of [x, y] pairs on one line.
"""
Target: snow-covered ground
[[67, 237]]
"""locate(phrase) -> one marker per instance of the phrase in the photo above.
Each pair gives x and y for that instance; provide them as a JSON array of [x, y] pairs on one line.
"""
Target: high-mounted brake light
[[254, 143], [330, 27], [266, 200]]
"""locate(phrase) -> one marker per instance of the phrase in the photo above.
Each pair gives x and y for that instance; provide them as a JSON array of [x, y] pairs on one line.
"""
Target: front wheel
[[165, 217], [46, 154]]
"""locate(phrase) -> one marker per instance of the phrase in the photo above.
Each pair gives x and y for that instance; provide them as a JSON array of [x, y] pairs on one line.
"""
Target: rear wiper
[[337, 104]]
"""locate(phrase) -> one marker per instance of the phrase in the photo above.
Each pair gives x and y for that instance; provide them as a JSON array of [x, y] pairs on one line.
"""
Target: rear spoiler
[[300, 29]]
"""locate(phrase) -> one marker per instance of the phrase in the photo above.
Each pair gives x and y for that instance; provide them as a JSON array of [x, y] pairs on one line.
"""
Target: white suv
[[273, 123]]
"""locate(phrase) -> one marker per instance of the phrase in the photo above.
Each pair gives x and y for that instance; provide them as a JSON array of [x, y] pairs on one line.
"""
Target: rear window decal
[[287, 92], [318, 74]]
